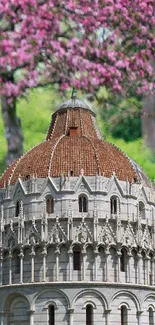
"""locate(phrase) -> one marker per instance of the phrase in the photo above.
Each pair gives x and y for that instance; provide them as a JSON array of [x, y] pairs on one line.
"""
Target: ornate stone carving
[[83, 233], [146, 241], [57, 234], [129, 238], [107, 235]]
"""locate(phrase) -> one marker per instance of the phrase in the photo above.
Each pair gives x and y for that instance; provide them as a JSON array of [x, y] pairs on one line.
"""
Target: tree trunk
[[13, 131], [148, 120]]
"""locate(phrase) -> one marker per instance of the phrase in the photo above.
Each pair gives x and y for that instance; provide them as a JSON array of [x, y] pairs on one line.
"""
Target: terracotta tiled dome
[[73, 143]]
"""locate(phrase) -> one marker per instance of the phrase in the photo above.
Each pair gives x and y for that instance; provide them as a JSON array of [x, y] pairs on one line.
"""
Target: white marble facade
[[77, 251]]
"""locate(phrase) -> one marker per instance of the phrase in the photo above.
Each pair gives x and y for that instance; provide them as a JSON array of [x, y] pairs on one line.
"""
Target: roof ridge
[[95, 151], [52, 153]]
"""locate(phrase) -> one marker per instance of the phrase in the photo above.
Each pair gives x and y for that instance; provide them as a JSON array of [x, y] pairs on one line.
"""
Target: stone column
[[21, 255], [32, 254], [31, 313], [70, 311], [96, 264], [95, 224], [10, 268], [129, 267], [118, 266], [107, 253], [139, 267], [139, 313], [1, 267], [147, 279], [42, 229], [107, 313], [70, 253], [153, 271], [118, 207], [2, 316], [57, 253], [83, 264], [44, 254]]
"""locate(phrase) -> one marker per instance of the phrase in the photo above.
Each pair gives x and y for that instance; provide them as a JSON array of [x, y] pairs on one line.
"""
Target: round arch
[[88, 291], [124, 304], [116, 194], [49, 204], [115, 203], [89, 302], [150, 306], [150, 295], [147, 302], [141, 208], [11, 297], [89, 244], [75, 244], [48, 290], [51, 303], [83, 203], [16, 308], [126, 293]]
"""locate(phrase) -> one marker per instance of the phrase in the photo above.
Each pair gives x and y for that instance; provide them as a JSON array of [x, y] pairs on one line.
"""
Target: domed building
[[77, 230]]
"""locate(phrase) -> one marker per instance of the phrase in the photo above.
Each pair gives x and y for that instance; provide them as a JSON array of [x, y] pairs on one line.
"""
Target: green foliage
[[35, 113], [138, 152], [134, 149], [2, 146], [121, 116]]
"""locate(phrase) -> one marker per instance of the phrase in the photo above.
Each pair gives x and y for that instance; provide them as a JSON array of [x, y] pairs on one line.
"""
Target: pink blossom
[[83, 43]]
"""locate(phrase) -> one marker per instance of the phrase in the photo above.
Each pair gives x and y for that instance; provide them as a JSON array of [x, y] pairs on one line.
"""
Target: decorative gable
[[57, 234], [10, 238], [83, 233], [129, 238], [107, 235], [32, 235]]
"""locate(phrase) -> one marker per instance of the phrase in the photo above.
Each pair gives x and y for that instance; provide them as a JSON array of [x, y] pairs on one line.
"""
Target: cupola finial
[[73, 93]]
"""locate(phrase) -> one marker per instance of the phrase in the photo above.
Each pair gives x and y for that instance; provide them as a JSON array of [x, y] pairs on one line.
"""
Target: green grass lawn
[[35, 114]]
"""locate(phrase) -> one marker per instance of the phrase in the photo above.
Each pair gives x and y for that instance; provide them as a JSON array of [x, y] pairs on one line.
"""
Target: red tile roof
[[62, 153]]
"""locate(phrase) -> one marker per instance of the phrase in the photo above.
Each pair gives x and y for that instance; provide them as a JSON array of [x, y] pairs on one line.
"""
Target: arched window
[[124, 315], [19, 310], [114, 208], [89, 314], [17, 211], [77, 258], [16, 261], [123, 260], [51, 315], [141, 210], [49, 205], [151, 316], [83, 203]]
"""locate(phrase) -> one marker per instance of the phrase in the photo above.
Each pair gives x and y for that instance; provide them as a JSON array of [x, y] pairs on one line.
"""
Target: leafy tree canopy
[[82, 43]]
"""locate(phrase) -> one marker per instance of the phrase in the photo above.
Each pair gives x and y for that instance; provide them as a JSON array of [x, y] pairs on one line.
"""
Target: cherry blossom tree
[[80, 43]]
